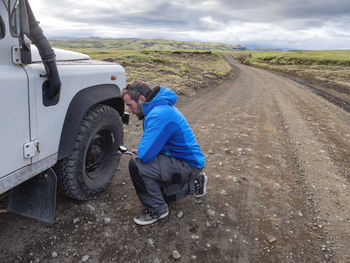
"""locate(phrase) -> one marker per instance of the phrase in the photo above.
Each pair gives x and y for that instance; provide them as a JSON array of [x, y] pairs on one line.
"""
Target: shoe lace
[[150, 213]]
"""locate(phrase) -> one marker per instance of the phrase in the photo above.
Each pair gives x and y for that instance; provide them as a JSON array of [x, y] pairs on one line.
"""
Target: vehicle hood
[[61, 55]]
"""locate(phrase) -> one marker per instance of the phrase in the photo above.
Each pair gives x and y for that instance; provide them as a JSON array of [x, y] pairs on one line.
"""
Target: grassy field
[[188, 66], [184, 71], [144, 44], [328, 69], [325, 57], [182, 66]]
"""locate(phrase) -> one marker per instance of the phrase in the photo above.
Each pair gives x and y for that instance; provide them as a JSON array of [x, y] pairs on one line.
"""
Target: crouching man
[[168, 161]]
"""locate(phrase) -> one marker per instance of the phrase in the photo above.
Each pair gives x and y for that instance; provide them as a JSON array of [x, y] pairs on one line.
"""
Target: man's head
[[134, 95]]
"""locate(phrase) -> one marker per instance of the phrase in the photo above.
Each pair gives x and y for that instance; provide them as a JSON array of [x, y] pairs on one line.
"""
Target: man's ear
[[142, 99]]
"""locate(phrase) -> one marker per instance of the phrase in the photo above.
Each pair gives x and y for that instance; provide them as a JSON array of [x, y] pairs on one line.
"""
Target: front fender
[[108, 94]]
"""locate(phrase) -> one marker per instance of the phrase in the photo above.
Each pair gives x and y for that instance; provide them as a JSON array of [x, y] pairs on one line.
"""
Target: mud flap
[[35, 198]]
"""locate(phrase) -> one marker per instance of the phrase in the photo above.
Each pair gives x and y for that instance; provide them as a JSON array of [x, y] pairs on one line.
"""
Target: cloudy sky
[[294, 24]]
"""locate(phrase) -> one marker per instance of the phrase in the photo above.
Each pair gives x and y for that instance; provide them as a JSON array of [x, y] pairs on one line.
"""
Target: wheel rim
[[98, 153]]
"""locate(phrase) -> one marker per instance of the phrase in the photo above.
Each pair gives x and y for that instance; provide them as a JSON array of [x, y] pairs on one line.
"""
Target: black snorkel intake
[[52, 85]]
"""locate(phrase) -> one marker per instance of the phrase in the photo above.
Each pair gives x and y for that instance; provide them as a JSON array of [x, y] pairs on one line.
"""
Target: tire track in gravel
[[253, 172], [318, 135]]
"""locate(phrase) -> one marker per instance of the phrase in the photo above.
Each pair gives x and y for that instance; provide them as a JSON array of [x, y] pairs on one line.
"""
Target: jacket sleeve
[[157, 131]]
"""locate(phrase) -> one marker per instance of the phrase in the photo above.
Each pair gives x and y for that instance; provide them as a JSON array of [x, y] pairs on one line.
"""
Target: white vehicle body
[[32, 132], [25, 119]]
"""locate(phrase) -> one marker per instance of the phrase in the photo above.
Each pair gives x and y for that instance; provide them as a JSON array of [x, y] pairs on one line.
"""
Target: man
[[168, 161]]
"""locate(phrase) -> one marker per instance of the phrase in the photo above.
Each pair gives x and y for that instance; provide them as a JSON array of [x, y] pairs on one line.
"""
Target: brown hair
[[135, 89]]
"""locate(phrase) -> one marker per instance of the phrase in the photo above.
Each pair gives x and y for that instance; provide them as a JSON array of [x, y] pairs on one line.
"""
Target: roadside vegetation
[[189, 66], [328, 69], [144, 44], [184, 71]]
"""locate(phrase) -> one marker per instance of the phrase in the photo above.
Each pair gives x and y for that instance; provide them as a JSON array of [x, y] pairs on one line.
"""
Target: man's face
[[133, 106]]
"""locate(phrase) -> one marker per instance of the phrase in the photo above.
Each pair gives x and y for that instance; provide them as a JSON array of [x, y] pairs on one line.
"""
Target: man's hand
[[134, 151]]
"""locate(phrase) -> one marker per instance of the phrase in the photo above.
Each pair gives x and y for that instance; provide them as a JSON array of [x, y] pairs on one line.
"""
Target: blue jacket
[[166, 131]]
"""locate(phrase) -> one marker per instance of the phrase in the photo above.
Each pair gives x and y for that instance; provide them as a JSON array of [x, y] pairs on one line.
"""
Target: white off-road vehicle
[[61, 117]]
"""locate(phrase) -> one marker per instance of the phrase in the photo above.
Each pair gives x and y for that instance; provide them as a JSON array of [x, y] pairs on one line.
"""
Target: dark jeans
[[163, 180]]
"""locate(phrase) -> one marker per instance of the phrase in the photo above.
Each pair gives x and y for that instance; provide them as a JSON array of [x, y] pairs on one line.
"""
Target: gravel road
[[279, 189]]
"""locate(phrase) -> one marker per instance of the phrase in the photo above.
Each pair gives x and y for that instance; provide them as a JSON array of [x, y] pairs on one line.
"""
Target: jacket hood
[[165, 96]]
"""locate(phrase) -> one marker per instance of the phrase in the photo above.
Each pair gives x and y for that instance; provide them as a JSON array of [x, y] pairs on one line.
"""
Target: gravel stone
[[176, 254], [90, 207], [271, 238], [151, 242], [85, 258], [211, 212]]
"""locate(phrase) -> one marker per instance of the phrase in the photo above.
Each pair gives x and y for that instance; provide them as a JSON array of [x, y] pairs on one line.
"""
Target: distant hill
[[269, 49], [142, 44], [89, 38]]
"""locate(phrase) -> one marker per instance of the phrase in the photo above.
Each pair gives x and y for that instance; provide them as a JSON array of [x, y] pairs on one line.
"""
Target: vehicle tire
[[87, 171]]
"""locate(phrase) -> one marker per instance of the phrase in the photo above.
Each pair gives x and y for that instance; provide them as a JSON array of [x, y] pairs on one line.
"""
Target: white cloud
[[302, 24]]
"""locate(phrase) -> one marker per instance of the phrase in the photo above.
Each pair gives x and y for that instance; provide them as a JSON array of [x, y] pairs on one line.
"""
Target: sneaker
[[200, 185], [149, 218]]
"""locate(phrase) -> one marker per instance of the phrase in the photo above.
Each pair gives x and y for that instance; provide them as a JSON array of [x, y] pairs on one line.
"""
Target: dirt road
[[279, 191]]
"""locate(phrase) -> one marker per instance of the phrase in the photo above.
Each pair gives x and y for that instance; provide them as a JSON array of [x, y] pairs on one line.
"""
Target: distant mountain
[[87, 38], [265, 48], [140, 44], [269, 49]]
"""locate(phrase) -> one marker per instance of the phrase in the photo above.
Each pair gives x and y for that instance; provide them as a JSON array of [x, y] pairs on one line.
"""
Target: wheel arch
[[108, 94]]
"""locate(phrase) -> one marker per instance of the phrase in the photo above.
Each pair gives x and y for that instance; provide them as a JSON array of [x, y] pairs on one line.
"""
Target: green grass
[[144, 44], [181, 70], [188, 66], [325, 57]]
